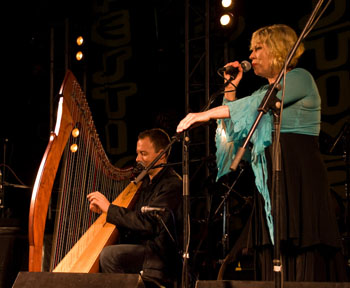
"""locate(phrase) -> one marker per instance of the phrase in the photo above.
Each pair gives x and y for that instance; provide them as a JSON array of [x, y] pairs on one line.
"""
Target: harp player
[[146, 246]]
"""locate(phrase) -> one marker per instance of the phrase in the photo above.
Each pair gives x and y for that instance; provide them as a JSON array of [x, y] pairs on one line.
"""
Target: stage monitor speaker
[[77, 280], [267, 284], [13, 253]]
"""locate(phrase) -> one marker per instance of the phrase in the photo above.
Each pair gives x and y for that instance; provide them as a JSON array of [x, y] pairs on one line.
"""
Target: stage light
[[75, 132], [226, 19], [80, 40], [74, 148], [80, 48], [226, 3], [79, 56]]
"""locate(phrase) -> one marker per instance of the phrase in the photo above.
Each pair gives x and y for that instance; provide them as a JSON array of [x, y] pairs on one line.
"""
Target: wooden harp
[[75, 162]]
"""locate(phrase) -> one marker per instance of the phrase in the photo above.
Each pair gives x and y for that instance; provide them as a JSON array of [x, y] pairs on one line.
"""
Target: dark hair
[[159, 138]]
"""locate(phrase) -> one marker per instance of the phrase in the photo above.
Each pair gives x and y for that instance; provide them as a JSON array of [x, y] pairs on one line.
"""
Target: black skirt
[[307, 215], [310, 242]]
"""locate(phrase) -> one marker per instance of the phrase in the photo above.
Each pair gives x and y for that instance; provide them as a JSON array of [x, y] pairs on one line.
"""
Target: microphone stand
[[217, 93], [156, 215], [225, 215], [344, 137], [270, 98], [186, 193], [180, 163], [228, 192], [185, 182], [271, 102], [2, 184], [186, 207]]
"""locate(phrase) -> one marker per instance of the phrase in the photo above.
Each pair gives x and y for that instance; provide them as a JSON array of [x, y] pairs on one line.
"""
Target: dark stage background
[[133, 76]]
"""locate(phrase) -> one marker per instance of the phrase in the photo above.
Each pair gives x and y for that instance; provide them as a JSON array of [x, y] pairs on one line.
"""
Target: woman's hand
[[239, 75], [192, 118], [232, 82], [98, 202]]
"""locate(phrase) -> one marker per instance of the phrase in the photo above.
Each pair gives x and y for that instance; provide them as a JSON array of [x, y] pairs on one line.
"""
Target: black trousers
[[122, 258]]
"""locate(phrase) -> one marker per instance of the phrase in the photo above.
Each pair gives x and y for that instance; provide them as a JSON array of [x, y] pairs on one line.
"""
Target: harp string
[[85, 171], [68, 178]]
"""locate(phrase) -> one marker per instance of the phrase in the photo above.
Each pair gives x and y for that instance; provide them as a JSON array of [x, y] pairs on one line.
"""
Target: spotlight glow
[[226, 3], [80, 40], [225, 19], [75, 132], [74, 148], [79, 55]]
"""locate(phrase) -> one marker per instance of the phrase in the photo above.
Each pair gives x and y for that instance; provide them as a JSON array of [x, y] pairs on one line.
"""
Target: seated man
[[148, 239]]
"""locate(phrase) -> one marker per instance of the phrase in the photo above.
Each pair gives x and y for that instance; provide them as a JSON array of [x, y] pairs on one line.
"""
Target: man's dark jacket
[[162, 254]]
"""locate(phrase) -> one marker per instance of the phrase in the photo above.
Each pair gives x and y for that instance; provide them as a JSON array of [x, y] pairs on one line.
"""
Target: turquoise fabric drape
[[230, 135]]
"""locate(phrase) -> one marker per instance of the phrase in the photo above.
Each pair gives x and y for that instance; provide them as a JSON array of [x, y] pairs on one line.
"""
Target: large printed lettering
[[112, 30], [114, 96], [330, 44], [113, 66], [112, 33]]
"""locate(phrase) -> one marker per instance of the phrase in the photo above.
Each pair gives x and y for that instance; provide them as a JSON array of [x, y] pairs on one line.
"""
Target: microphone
[[139, 172], [137, 169], [233, 71], [147, 209]]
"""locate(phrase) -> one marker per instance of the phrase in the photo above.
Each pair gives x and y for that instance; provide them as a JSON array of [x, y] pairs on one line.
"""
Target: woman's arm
[[214, 113]]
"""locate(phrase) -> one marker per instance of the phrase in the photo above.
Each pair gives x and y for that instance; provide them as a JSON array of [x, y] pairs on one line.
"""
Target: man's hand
[[98, 202]]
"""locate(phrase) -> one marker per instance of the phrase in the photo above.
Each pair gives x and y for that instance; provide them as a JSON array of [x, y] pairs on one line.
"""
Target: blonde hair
[[279, 39]]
